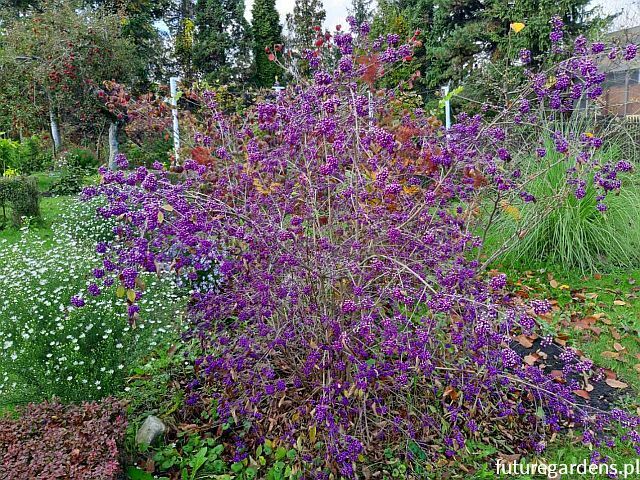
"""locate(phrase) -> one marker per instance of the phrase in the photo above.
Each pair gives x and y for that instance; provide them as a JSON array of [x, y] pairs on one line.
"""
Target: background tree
[[459, 37], [306, 15], [222, 43], [181, 22], [361, 10], [57, 59], [267, 32], [139, 24]]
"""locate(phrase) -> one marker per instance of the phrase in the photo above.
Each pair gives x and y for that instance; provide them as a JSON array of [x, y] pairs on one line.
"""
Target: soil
[[601, 397]]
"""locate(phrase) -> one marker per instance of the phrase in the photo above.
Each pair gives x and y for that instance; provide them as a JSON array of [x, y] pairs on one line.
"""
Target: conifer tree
[[221, 47], [306, 15], [267, 32]]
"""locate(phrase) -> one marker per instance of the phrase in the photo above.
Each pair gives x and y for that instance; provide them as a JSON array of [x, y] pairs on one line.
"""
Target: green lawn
[[51, 209], [599, 314]]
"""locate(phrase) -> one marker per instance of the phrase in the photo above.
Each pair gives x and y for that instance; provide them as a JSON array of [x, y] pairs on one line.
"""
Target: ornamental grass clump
[[346, 311]]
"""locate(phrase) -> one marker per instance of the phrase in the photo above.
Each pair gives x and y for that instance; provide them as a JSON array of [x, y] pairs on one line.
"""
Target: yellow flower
[[516, 27]]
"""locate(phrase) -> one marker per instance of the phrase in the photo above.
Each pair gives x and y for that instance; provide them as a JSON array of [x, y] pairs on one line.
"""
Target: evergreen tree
[[460, 36], [138, 19], [361, 10], [179, 18], [221, 47], [267, 32], [306, 15]]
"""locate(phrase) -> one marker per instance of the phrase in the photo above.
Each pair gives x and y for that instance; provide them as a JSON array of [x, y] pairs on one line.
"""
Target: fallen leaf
[[619, 303], [582, 394], [615, 383], [614, 355], [525, 341], [597, 276], [557, 375], [554, 283], [531, 359], [618, 347], [509, 458], [561, 340]]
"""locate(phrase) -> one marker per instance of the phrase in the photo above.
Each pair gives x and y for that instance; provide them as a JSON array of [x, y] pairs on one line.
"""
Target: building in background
[[621, 97]]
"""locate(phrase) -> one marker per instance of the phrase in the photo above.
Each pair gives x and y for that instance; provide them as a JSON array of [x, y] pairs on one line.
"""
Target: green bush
[[19, 195], [28, 156], [81, 158], [70, 181], [33, 156], [8, 153], [155, 150]]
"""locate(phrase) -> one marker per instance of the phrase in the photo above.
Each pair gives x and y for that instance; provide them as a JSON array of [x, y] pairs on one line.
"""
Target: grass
[[612, 298], [51, 209]]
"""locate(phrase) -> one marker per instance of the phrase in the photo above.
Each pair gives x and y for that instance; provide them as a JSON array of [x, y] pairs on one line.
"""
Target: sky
[[336, 11], [629, 11]]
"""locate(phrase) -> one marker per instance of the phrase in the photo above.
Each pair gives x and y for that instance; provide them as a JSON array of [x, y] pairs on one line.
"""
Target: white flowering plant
[[48, 346]]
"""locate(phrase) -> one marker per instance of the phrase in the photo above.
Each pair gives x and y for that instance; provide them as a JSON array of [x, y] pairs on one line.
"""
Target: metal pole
[[173, 85], [447, 107]]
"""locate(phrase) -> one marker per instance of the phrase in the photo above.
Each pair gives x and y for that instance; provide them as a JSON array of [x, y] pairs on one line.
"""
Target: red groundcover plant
[[54, 441], [327, 238]]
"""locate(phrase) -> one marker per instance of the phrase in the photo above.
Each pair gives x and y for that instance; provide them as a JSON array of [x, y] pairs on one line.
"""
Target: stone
[[150, 430]]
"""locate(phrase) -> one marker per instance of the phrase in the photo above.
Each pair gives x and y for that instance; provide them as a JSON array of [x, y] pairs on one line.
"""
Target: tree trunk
[[55, 131], [113, 145]]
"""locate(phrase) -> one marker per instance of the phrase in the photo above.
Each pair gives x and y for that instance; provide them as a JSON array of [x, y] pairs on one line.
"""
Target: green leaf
[[281, 452], [134, 473], [251, 473], [218, 449]]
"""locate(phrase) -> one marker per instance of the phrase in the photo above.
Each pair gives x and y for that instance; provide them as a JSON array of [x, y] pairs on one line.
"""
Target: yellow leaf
[[120, 291], [517, 26], [412, 190], [131, 295], [264, 189], [511, 210], [167, 207], [160, 216], [551, 82], [312, 434]]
